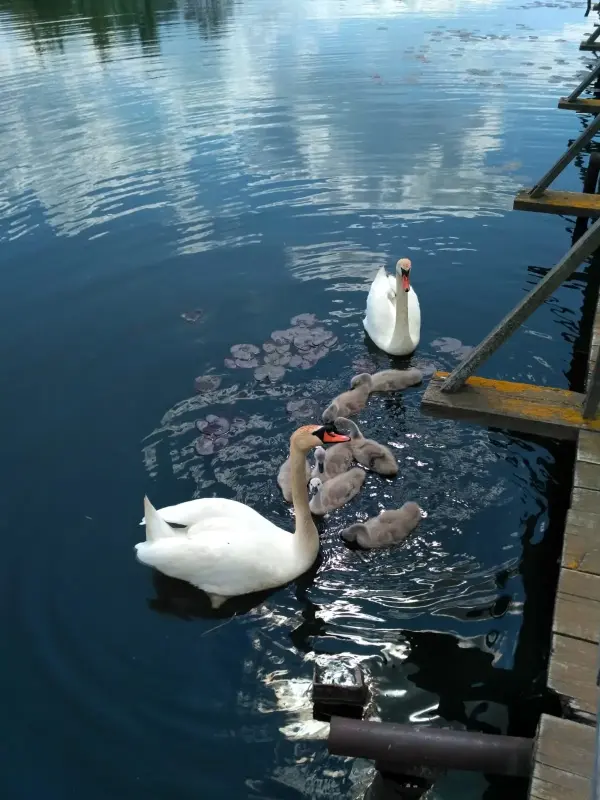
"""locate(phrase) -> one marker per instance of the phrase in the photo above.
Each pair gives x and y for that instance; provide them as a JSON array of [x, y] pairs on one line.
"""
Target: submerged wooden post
[[577, 146], [582, 249]]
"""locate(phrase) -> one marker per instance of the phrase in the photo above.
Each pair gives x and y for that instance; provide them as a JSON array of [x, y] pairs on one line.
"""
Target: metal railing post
[[577, 146], [582, 249]]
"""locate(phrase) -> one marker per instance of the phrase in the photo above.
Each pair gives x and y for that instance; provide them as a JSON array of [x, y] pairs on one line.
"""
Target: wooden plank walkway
[[573, 204], [563, 760], [565, 748], [507, 404]]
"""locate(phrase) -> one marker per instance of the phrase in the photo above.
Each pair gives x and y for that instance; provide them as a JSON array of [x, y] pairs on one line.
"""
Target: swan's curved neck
[[305, 527], [401, 329], [401, 303]]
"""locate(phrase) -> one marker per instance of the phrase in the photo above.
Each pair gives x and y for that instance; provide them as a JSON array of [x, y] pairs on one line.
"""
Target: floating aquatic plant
[[446, 344], [214, 430], [244, 351], [271, 371], [192, 316], [301, 345], [307, 320], [207, 383], [303, 409]]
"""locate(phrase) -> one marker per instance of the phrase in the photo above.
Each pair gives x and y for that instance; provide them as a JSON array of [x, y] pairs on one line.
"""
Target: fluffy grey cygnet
[[337, 492], [336, 460], [372, 455], [390, 527], [350, 402], [394, 380], [284, 479]]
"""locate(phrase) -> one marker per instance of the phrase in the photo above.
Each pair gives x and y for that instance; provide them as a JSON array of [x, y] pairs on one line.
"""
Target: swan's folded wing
[[224, 560], [202, 509], [380, 316]]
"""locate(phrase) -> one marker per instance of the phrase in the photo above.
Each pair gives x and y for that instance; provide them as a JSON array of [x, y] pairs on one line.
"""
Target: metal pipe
[[400, 745], [585, 82], [582, 249], [566, 158]]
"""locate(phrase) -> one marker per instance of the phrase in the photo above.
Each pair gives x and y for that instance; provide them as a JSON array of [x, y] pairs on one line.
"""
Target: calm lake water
[[180, 176]]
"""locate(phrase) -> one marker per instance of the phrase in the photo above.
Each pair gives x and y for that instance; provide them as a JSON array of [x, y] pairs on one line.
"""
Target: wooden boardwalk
[[564, 755]]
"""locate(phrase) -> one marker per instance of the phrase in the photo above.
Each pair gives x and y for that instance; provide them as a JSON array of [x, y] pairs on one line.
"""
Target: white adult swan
[[229, 549], [393, 318]]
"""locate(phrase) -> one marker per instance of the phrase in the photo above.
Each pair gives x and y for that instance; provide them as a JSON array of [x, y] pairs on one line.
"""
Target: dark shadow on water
[[180, 599]]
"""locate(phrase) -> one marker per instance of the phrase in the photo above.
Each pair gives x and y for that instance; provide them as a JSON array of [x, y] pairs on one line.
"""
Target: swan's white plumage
[[380, 318], [228, 550]]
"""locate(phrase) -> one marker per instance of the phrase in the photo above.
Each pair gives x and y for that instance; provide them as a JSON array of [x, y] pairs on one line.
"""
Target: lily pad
[[246, 363], [307, 320], [204, 446], [230, 362], [244, 351], [207, 383], [192, 316], [303, 409], [279, 359], [271, 371], [216, 426], [281, 337]]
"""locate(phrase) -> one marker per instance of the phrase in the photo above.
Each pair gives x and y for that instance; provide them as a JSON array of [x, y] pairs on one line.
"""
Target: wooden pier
[[565, 748], [565, 755]]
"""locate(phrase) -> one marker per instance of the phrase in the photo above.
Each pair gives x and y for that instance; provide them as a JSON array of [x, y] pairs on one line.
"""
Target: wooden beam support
[[586, 105], [573, 204], [510, 405]]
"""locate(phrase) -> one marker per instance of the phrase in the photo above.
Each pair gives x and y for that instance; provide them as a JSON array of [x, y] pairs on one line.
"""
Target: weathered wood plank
[[576, 204], [577, 617], [577, 585], [587, 476], [507, 404], [589, 105], [565, 745], [548, 783], [584, 519], [586, 500], [588, 447], [581, 550], [572, 672]]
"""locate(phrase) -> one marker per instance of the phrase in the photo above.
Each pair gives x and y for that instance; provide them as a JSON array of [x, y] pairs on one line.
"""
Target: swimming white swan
[[393, 317], [228, 549]]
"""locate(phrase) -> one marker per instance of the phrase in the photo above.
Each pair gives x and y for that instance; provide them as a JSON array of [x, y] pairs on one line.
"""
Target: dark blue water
[[240, 163]]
